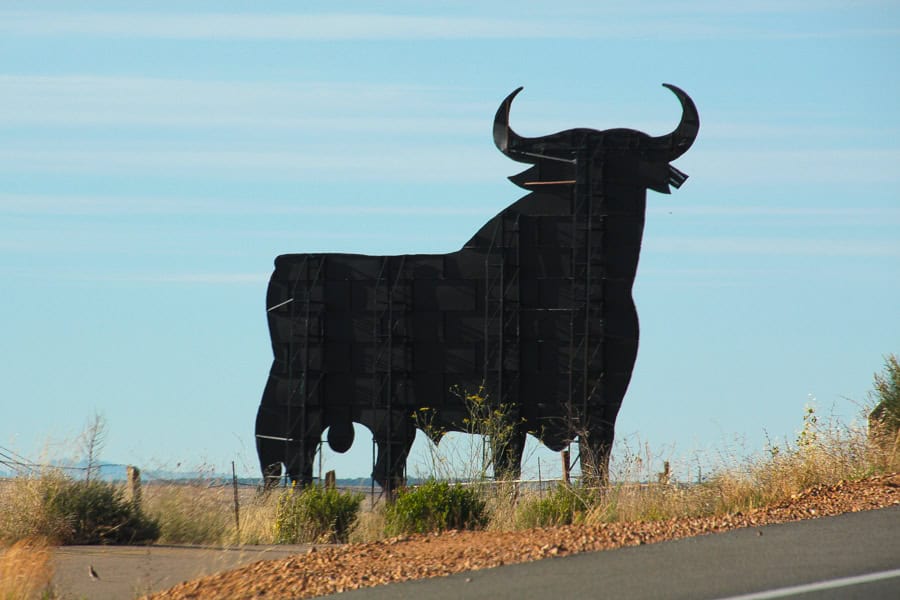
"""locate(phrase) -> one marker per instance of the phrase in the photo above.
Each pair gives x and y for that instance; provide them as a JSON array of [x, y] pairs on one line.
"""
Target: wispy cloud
[[855, 214], [411, 162], [190, 278], [776, 246], [313, 106], [62, 204], [423, 160], [167, 278], [611, 23], [333, 26], [806, 165]]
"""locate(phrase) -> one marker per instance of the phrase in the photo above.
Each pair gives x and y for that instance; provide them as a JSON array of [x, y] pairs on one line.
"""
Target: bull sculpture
[[536, 309]]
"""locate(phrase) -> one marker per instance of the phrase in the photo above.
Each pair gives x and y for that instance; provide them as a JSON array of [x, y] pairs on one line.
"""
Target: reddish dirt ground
[[338, 568]]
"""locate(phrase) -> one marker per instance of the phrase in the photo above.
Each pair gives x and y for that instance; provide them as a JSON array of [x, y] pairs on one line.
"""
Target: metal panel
[[536, 307]]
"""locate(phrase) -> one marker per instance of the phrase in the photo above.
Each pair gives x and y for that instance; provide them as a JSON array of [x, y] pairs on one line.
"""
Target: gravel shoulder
[[321, 571]]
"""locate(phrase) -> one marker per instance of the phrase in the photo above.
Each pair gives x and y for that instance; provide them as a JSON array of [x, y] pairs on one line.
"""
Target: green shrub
[[435, 506], [886, 414], [563, 505], [316, 515], [94, 512]]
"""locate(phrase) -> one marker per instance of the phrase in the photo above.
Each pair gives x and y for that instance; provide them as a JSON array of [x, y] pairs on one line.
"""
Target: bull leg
[[270, 447], [390, 473], [595, 447], [507, 454], [390, 465], [299, 461], [270, 455]]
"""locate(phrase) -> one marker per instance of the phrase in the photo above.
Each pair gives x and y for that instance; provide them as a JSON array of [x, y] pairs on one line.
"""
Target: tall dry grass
[[24, 511], [26, 570], [202, 513], [825, 451]]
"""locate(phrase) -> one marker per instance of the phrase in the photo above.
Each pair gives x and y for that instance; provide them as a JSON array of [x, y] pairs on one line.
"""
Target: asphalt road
[[855, 555]]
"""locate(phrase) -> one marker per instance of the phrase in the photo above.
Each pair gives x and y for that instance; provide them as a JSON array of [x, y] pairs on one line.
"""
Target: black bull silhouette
[[536, 309]]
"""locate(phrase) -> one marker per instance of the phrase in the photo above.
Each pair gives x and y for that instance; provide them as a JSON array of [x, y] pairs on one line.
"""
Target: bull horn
[[504, 136], [684, 135]]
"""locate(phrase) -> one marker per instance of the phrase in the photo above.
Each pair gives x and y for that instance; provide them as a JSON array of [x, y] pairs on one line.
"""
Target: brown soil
[[339, 568]]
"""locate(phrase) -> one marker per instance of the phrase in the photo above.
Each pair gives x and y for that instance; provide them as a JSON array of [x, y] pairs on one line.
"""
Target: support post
[[237, 514], [133, 487]]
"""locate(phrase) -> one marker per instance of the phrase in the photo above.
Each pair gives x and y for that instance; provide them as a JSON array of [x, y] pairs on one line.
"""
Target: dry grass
[[201, 513], [369, 527], [23, 513], [26, 570], [190, 513], [503, 501], [823, 453]]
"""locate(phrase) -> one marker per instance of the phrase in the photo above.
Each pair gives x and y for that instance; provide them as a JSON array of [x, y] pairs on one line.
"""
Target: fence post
[[133, 487], [540, 480], [330, 480], [664, 478], [565, 466], [237, 516]]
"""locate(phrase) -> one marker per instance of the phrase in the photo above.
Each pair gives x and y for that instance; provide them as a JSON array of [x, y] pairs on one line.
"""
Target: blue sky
[[157, 156]]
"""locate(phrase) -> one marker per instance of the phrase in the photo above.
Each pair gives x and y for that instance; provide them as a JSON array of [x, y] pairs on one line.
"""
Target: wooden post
[[133, 487], [330, 480], [665, 478], [565, 466], [237, 515]]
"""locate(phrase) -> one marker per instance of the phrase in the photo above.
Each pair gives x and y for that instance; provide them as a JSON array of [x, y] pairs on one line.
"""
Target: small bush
[[96, 512], [316, 515], [563, 505], [884, 419], [435, 506], [67, 511]]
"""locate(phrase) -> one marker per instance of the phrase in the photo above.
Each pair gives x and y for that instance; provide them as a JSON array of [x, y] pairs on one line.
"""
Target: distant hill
[[116, 472]]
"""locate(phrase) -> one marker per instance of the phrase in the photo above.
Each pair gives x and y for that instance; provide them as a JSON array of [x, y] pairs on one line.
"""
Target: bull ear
[[678, 142]]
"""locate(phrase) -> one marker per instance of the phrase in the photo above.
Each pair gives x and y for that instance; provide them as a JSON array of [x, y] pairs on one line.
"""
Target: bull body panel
[[536, 307]]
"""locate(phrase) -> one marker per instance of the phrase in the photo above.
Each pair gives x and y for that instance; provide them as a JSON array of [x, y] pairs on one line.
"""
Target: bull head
[[625, 154]]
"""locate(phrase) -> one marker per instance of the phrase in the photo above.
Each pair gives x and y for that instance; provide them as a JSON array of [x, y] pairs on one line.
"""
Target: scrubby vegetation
[[52, 506], [884, 420], [193, 513], [564, 504], [67, 511], [316, 514], [436, 506]]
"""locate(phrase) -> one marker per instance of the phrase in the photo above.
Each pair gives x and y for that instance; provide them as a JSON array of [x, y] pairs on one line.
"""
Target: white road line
[[819, 585]]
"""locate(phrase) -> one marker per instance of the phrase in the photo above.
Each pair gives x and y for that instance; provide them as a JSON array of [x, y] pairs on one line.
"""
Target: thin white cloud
[[776, 246], [170, 278], [254, 26], [661, 23], [332, 107], [64, 204], [42, 205], [729, 208], [800, 165], [197, 278], [410, 162]]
